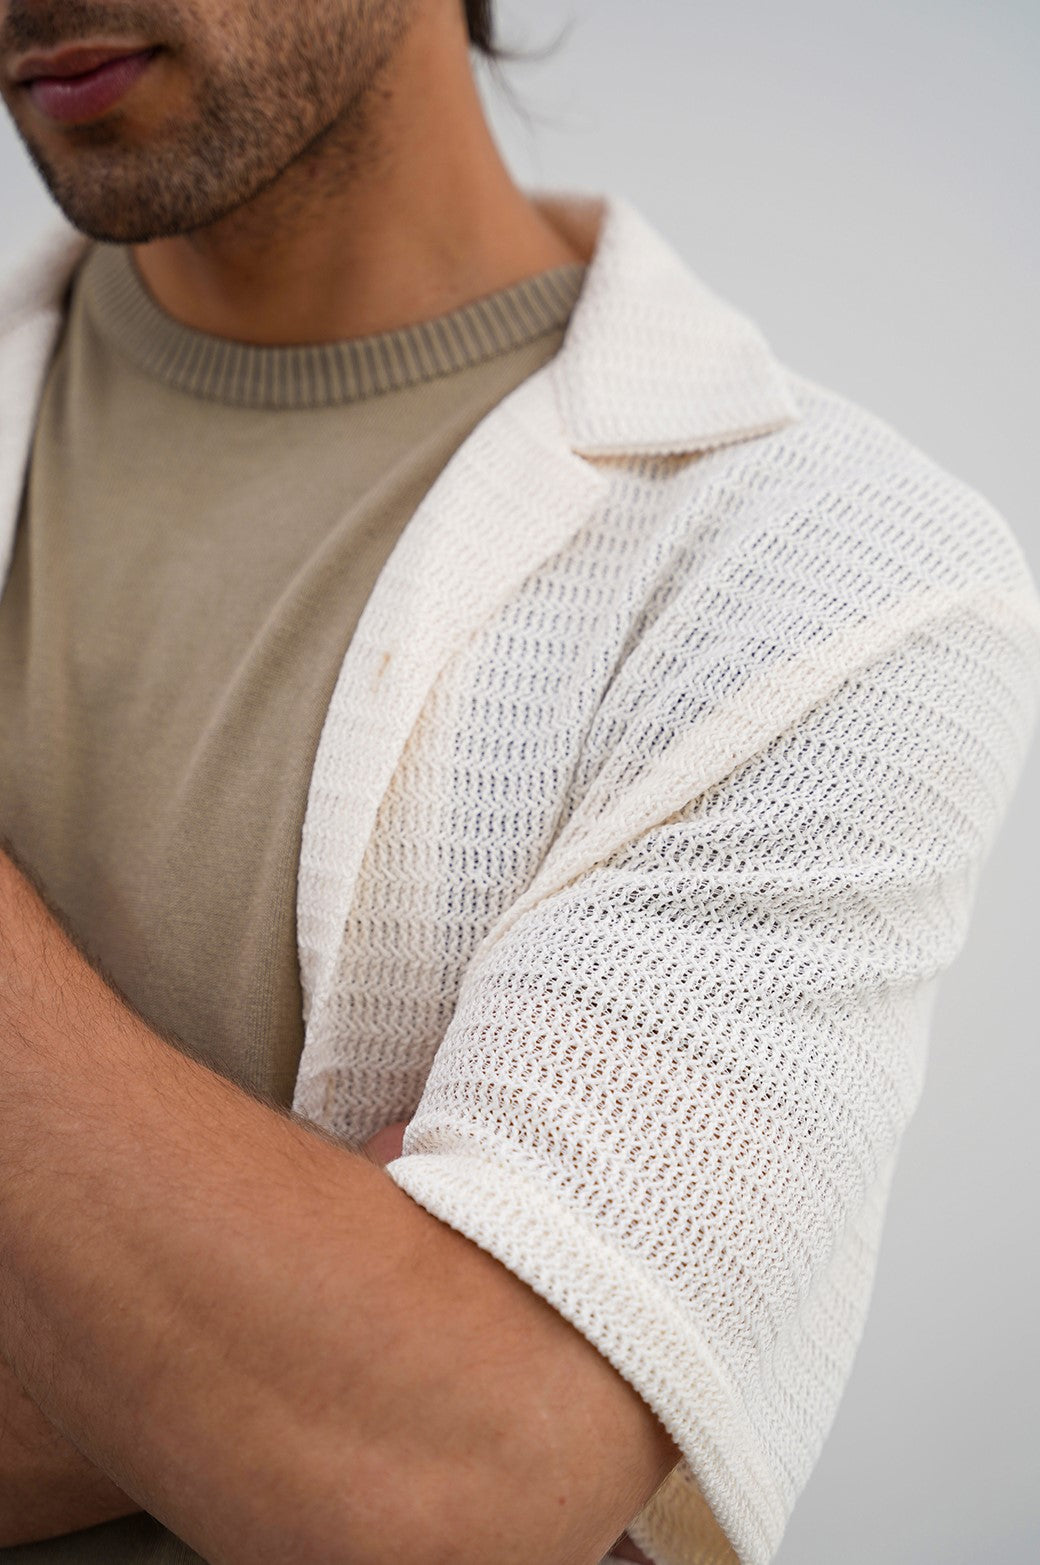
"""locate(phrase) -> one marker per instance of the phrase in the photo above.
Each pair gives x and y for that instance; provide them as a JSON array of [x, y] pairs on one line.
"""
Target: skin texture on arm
[[46, 1486], [232, 1315]]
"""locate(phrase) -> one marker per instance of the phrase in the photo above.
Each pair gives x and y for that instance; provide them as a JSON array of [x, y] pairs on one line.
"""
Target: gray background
[[861, 179]]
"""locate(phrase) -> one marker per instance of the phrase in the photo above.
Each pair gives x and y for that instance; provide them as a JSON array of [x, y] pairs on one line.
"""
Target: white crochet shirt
[[648, 810]]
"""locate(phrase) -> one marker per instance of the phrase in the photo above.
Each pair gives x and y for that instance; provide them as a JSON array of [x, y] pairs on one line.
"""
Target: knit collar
[[653, 361]]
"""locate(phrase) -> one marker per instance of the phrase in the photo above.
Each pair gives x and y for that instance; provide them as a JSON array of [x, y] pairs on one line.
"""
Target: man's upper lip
[[73, 62]]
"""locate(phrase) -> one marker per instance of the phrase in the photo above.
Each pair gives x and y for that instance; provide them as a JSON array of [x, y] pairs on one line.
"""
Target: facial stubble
[[278, 90]]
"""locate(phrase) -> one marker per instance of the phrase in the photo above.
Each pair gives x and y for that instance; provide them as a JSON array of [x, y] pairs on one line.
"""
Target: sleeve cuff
[[616, 1303]]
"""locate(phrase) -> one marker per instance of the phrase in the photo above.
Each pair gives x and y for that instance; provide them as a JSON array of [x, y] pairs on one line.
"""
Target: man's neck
[[400, 218]]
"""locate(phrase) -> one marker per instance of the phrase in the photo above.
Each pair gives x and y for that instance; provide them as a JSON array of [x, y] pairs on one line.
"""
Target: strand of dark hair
[[480, 20]]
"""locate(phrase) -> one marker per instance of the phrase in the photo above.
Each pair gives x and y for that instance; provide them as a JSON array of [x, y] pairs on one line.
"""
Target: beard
[[270, 86]]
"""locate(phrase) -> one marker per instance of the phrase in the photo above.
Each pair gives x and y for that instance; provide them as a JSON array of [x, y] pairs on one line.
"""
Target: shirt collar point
[[654, 362]]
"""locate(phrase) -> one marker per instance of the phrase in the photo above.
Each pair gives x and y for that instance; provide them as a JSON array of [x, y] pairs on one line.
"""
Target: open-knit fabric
[[678, 853], [649, 808]]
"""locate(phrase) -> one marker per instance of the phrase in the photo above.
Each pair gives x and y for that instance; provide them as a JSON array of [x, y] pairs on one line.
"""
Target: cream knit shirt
[[648, 810]]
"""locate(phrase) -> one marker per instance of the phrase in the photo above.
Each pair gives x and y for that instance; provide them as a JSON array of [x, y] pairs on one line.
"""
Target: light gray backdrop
[[862, 180]]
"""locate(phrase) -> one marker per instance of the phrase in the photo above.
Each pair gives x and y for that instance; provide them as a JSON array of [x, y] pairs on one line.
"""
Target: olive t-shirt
[[202, 524]]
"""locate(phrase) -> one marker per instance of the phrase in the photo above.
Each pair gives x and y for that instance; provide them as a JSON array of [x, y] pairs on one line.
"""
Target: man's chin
[[96, 206], [127, 216], [119, 228], [115, 232], [107, 198], [119, 192]]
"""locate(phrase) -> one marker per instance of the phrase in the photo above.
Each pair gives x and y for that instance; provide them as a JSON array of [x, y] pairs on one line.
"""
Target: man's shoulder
[[837, 498], [665, 379]]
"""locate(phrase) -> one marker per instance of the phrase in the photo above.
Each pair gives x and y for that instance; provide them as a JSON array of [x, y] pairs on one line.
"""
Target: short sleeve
[[672, 1091]]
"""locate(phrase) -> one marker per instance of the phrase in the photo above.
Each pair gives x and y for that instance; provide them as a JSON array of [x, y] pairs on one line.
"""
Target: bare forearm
[[46, 1486], [183, 1376], [234, 1316]]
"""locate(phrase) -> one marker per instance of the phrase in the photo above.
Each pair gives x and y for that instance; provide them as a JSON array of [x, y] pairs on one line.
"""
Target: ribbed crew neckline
[[316, 375]]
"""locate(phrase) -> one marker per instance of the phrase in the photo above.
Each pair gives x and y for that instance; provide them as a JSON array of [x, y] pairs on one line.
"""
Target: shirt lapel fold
[[31, 314], [510, 498]]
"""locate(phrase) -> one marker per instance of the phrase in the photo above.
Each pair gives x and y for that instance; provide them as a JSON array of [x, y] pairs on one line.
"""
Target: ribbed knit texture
[[320, 374], [649, 808]]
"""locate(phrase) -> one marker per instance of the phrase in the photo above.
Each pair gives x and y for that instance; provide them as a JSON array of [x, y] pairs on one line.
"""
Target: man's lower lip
[[74, 99]]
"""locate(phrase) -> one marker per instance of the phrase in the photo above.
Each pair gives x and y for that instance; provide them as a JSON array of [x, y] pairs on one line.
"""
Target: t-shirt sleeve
[[672, 1090]]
